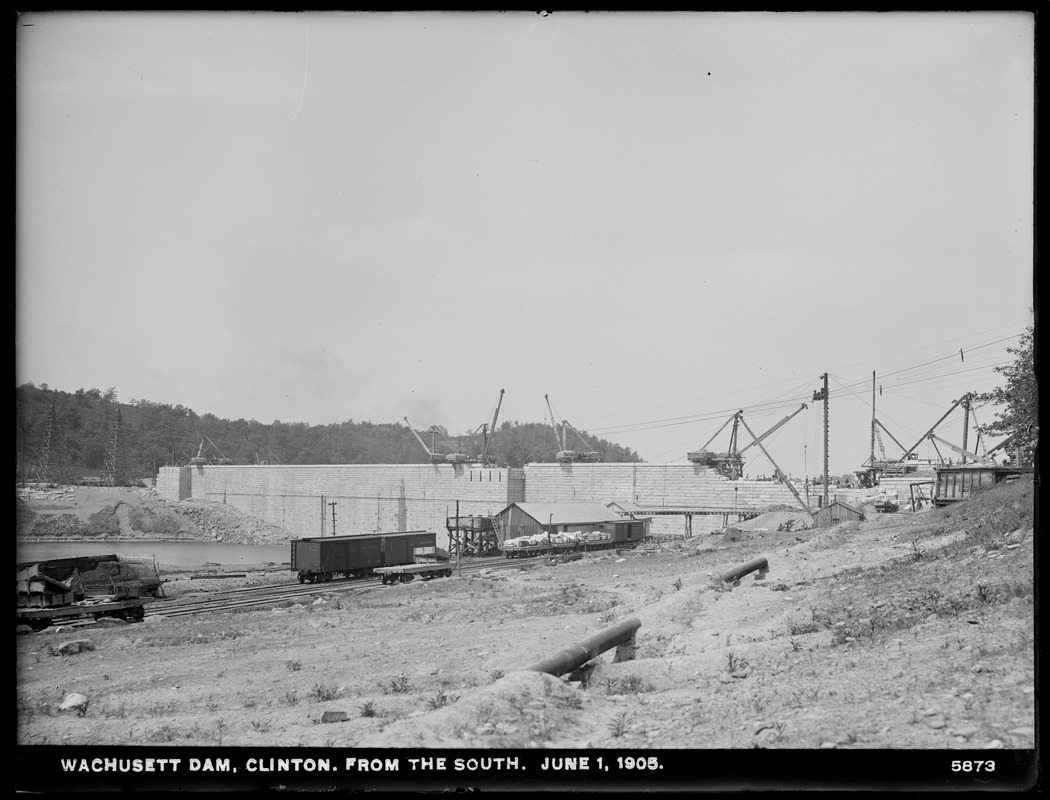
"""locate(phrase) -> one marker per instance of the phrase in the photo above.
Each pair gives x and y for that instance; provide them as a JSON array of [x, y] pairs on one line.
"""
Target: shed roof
[[353, 537], [568, 513], [854, 509]]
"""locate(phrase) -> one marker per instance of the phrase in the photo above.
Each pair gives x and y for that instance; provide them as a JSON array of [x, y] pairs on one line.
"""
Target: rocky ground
[[905, 631], [124, 513]]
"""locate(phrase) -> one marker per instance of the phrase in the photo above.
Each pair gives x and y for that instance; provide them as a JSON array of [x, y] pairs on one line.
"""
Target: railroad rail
[[253, 596]]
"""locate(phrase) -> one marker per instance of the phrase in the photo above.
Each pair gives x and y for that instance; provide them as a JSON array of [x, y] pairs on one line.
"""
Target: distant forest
[[64, 437]]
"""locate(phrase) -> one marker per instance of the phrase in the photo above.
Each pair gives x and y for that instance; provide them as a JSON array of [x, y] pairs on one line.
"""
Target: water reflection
[[178, 554]]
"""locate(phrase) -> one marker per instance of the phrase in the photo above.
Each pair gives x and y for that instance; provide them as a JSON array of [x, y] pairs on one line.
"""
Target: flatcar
[[319, 559], [620, 537], [53, 592]]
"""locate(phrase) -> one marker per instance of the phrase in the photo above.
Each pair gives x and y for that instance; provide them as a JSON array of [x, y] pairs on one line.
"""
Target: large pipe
[[576, 656], [735, 574]]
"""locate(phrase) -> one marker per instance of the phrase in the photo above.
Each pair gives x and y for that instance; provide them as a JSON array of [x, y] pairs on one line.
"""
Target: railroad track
[[252, 596]]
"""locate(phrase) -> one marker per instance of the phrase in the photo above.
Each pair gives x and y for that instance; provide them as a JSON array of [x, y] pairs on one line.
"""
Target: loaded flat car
[[44, 599], [606, 537], [319, 559]]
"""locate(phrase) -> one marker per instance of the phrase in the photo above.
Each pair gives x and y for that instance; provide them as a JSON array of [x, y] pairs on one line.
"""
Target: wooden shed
[[529, 519], [834, 513], [958, 483]]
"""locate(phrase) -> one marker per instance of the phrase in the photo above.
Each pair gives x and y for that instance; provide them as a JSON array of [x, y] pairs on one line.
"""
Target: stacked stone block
[[667, 485], [369, 498], [374, 498]]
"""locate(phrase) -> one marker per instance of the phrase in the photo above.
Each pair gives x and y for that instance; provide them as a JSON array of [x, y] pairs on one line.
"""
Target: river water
[[177, 554]]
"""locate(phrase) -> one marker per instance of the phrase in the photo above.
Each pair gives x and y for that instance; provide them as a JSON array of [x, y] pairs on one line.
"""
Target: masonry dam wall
[[372, 498], [369, 498]]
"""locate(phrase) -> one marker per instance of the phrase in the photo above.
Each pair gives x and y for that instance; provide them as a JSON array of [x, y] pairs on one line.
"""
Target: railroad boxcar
[[323, 558]]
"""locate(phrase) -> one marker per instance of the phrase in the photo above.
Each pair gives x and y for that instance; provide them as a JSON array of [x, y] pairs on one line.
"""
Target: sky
[[652, 219]]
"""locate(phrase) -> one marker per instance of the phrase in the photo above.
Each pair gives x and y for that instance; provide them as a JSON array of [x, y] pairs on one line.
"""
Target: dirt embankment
[[121, 513], [904, 631]]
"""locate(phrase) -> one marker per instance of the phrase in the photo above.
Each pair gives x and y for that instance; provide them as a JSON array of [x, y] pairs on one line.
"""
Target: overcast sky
[[656, 219]]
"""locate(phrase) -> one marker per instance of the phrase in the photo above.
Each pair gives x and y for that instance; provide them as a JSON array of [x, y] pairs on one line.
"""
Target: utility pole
[[822, 394], [966, 422], [333, 505], [826, 429], [872, 462]]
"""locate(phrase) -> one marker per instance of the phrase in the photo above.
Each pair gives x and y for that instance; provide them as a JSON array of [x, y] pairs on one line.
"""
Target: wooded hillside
[[64, 437]]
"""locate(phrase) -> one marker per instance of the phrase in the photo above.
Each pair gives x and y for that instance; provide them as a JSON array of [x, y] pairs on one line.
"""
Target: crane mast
[[492, 430], [564, 454], [435, 458]]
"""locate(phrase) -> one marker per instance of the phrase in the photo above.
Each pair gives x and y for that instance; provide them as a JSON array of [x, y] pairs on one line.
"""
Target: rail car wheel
[[302, 578]]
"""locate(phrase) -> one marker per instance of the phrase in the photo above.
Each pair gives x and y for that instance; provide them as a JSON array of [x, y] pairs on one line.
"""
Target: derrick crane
[[564, 454], [964, 453], [435, 458], [955, 404], [776, 427], [778, 472], [201, 459], [730, 463], [590, 454], [491, 430]]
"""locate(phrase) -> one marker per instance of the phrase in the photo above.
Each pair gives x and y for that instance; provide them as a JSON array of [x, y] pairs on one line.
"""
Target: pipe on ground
[[735, 574], [576, 656]]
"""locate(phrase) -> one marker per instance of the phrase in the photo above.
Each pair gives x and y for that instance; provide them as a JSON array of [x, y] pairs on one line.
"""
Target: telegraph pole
[[966, 423], [822, 394], [333, 504], [826, 428], [872, 462]]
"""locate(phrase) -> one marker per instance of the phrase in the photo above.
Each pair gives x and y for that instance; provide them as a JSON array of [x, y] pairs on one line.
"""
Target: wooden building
[[834, 513], [959, 482], [530, 519]]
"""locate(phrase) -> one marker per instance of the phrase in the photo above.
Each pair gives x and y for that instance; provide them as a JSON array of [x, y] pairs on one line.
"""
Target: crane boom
[[564, 454], [933, 427], [775, 427], [434, 457], [779, 472], [591, 454], [485, 449], [964, 453]]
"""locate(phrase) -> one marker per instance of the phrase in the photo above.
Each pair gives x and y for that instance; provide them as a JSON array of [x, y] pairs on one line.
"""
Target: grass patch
[[629, 684], [619, 725], [322, 692], [399, 684]]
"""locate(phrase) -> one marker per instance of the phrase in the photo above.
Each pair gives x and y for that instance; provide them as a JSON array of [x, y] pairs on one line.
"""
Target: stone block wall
[[174, 483], [373, 498], [656, 485], [369, 498]]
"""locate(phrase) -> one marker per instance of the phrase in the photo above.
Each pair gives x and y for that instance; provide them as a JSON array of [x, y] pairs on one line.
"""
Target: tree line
[[66, 437]]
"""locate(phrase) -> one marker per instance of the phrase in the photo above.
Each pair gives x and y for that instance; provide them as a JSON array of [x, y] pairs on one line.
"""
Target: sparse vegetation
[[629, 684], [440, 699], [619, 725], [862, 645], [323, 692], [399, 684]]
